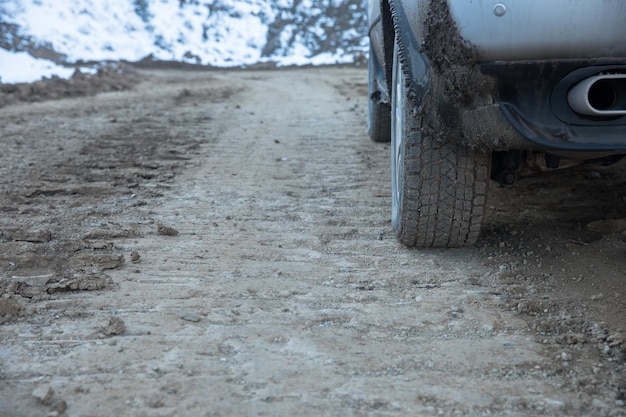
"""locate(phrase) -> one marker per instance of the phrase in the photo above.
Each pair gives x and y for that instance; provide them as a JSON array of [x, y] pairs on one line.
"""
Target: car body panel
[[541, 29], [528, 30]]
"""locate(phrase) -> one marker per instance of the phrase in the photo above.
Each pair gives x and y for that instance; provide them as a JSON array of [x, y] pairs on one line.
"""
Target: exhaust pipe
[[601, 95]]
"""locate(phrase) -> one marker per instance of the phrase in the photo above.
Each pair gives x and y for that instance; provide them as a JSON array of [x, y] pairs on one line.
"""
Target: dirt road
[[219, 244]]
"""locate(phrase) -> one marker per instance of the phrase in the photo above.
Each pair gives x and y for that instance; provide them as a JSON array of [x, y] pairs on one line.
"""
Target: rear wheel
[[379, 121], [439, 185]]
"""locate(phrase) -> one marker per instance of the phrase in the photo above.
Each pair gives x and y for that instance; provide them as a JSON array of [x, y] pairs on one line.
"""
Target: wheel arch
[[388, 41], [397, 26]]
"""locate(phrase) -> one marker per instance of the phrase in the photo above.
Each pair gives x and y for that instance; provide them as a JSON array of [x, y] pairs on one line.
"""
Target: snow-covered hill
[[221, 33]]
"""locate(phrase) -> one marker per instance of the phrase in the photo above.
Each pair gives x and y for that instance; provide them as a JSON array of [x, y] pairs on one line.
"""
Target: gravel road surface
[[218, 243]]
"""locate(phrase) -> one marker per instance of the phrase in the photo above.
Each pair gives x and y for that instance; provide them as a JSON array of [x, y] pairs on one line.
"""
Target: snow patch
[[20, 67], [223, 33]]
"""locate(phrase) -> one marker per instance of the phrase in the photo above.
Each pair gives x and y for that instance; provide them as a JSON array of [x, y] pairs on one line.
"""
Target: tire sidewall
[[371, 74], [398, 143]]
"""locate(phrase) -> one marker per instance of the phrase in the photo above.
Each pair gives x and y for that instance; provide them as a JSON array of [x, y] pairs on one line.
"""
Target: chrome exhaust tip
[[601, 96]]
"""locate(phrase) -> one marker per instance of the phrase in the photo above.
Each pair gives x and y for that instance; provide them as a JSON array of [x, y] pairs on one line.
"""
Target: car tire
[[439, 185], [379, 120]]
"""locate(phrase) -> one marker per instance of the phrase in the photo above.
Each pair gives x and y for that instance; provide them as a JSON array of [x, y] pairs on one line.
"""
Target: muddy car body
[[469, 91]]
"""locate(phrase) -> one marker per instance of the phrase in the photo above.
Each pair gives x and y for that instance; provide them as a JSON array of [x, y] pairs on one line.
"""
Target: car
[[473, 92]]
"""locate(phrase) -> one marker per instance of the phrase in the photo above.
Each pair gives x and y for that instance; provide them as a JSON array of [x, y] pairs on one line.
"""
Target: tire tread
[[444, 192]]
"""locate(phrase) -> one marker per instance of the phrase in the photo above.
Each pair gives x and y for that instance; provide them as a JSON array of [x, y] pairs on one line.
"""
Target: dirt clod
[[166, 230], [114, 326], [9, 307], [33, 236], [135, 257], [189, 316], [608, 226], [57, 409], [43, 394]]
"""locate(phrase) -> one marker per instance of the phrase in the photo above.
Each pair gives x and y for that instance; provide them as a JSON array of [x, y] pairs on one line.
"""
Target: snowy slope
[[221, 33]]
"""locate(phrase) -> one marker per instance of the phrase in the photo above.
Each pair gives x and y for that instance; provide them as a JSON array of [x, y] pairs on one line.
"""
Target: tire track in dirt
[[286, 229]]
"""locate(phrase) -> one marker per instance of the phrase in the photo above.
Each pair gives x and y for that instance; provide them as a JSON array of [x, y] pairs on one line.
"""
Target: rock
[[114, 326], [166, 230], [43, 394]]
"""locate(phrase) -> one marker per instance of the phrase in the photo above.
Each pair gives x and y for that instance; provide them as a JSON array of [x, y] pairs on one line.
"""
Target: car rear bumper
[[532, 97], [510, 30]]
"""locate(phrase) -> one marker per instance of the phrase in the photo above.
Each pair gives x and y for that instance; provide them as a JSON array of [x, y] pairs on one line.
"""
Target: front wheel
[[439, 185]]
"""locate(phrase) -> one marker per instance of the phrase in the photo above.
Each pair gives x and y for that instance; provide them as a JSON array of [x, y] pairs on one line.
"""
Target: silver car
[[470, 91]]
